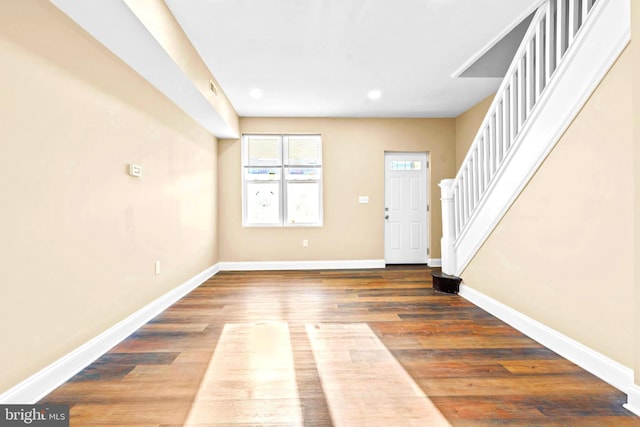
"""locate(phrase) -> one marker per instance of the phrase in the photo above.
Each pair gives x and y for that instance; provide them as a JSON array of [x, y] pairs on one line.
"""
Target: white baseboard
[[614, 373], [302, 265], [434, 262], [46, 380], [633, 399]]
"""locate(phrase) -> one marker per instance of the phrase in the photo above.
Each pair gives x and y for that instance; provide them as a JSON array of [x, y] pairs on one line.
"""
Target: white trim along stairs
[[526, 120]]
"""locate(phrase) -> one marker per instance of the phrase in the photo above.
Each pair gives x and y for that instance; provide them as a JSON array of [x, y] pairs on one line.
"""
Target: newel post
[[446, 243]]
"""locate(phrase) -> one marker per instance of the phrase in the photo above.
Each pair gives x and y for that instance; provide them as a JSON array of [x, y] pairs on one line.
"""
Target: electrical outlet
[[157, 266], [305, 243]]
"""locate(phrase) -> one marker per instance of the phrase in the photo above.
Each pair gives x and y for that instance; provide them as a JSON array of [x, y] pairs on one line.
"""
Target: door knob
[[386, 217]]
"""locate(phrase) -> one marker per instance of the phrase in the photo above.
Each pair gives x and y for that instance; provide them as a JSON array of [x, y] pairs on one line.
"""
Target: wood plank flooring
[[388, 340]]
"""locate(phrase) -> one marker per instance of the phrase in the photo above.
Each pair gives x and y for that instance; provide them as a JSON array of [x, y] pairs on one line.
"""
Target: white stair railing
[[556, 26]]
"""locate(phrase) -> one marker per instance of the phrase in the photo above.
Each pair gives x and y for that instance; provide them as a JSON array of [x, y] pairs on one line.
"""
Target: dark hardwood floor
[[324, 348]]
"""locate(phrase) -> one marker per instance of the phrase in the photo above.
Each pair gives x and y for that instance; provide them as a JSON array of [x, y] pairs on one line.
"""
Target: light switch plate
[[135, 170], [363, 199]]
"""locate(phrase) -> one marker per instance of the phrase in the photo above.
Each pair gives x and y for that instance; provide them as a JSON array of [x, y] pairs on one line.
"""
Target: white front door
[[406, 212]]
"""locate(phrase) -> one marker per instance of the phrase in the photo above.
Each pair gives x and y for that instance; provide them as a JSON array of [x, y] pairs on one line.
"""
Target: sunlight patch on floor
[[363, 383], [250, 379]]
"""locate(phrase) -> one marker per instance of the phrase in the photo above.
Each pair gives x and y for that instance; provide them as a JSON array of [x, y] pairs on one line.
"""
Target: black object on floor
[[445, 283]]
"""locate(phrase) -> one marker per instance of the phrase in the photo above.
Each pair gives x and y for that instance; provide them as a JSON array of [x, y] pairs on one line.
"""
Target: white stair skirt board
[[301, 265], [598, 45], [633, 399], [614, 373], [46, 380], [434, 262]]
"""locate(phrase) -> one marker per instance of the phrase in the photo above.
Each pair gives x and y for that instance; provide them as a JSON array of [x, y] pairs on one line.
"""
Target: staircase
[[569, 47]]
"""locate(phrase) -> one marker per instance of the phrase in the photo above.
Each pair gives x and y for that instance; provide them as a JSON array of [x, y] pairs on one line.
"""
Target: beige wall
[[563, 254], [79, 236], [635, 52], [353, 157], [467, 125]]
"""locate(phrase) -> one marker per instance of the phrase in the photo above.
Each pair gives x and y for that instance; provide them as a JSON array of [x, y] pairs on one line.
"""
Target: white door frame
[[424, 253]]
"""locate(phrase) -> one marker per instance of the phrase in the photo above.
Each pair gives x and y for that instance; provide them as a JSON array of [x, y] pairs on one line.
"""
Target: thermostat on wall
[[135, 170]]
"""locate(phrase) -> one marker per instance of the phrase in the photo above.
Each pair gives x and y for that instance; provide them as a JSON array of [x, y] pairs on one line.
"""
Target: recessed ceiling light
[[375, 94], [256, 93]]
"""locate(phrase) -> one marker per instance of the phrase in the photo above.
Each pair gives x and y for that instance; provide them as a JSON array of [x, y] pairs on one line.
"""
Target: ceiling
[[321, 58]]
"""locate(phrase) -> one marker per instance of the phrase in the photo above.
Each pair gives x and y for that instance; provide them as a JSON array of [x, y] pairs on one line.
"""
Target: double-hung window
[[282, 180]]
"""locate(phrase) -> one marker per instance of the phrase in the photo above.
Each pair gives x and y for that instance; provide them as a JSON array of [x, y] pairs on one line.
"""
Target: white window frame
[[284, 166]]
